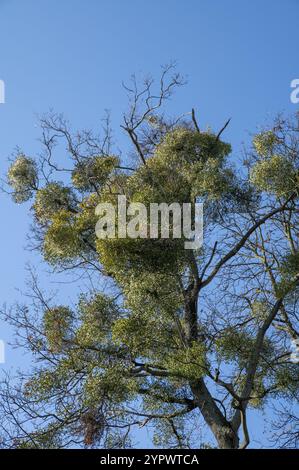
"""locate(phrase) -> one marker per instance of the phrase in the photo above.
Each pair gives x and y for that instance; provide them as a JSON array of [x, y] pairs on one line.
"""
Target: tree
[[178, 339]]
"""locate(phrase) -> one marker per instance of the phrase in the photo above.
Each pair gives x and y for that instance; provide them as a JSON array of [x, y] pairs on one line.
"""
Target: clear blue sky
[[72, 55]]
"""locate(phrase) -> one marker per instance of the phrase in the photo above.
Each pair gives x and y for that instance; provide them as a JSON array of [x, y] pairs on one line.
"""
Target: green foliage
[[264, 143], [149, 345], [183, 145], [51, 199], [164, 437], [22, 176], [62, 240], [71, 232], [258, 392], [57, 321], [289, 271], [93, 172], [97, 314], [275, 175], [260, 310], [113, 383], [163, 346], [131, 255], [286, 380], [290, 265], [189, 363], [153, 292], [48, 438], [42, 385], [235, 345], [185, 165], [133, 333], [210, 179]]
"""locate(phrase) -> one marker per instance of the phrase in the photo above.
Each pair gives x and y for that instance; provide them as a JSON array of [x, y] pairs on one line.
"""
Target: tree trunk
[[220, 427], [225, 435]]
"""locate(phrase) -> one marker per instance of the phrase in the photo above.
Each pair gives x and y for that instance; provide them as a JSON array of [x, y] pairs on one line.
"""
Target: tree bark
[[224, 433], [226, 437]]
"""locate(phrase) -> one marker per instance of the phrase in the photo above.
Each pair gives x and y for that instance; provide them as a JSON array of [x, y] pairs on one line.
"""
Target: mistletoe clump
[[23, 178]]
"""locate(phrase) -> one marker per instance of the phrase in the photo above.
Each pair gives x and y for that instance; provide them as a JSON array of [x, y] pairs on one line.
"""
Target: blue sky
[[72, 55]]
